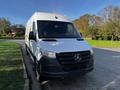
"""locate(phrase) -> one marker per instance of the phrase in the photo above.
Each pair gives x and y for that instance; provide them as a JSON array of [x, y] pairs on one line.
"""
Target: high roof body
[[48, 16]]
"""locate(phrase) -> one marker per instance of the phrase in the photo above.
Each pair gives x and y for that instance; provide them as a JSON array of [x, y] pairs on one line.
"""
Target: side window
[[70, 28], [33, 27]]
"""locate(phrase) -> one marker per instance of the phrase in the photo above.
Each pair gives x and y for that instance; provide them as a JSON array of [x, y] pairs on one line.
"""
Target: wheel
[[26, 51], [38, 72], [40, 77], [38, 69]]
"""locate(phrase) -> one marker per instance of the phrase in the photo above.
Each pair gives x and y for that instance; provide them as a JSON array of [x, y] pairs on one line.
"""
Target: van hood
[[64, 45]]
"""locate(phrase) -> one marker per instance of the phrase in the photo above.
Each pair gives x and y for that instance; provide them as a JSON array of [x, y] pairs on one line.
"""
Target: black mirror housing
[[81, 34], [32, 36]]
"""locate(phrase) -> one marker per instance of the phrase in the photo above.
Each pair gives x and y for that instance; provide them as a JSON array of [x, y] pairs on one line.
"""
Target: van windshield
[[57, 29]]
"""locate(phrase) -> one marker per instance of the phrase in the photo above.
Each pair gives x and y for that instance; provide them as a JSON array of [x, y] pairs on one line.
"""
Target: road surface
[[105, 76]]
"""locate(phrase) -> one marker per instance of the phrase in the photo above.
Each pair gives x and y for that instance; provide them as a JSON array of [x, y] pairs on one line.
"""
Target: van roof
[[50, 16]]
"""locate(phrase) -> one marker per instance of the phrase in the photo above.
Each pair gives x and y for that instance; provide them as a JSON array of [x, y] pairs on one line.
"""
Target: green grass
[[103, 43], [11, 70]]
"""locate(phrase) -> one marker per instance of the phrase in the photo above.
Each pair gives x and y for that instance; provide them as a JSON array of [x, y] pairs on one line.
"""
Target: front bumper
[[53, 69], [67, 74]]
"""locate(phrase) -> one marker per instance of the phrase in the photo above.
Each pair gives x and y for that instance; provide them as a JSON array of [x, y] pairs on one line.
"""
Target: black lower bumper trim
[[67, 74]]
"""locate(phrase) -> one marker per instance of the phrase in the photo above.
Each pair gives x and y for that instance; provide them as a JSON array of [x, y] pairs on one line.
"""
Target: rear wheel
[[26, 50]]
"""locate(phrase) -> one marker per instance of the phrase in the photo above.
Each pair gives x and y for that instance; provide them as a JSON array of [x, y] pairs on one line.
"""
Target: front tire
[[40, 77], [26, 50], [38, 71]]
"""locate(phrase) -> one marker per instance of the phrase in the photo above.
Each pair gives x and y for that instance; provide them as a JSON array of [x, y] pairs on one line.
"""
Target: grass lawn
[[11, 70], [103, 43]]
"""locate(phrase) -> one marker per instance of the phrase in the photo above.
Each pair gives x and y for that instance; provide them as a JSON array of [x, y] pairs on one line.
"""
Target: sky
[[19, 11]]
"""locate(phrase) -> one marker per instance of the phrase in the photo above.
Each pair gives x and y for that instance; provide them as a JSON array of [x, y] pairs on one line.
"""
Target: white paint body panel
[[50, 17], [61, 45], [64, 45]]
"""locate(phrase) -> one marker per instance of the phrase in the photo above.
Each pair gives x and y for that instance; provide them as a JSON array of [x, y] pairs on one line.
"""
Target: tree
[[82, 24], [4, 26], [110, 13], [111, 19], [94, 26]]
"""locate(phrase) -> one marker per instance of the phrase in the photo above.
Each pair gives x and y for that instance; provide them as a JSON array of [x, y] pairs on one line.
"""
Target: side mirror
[[81, 34], [32, 36]]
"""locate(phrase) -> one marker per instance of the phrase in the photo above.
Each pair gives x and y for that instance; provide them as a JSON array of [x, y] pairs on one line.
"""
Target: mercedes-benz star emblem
[[77, 57]]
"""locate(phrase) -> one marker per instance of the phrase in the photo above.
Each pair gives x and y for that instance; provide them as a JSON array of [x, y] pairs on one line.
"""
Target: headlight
[[49, 54], [92, 52]]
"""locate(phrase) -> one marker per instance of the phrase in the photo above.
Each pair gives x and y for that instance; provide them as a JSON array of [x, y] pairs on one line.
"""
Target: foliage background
[[104, 26]]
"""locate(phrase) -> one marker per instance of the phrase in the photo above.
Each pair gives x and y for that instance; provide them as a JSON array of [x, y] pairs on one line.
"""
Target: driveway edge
[[32, 83], [25, 75]]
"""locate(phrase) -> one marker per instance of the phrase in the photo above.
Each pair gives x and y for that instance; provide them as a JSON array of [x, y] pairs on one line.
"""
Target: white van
[[56, 47]]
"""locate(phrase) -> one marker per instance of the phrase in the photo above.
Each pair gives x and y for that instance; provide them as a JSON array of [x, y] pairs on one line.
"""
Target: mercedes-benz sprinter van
[[56, 47]]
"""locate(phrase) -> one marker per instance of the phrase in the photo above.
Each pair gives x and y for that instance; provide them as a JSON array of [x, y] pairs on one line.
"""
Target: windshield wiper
[[80, 39], [49, 39]]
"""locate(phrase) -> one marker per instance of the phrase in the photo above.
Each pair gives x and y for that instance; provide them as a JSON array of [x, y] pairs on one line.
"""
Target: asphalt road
[[105, 76]]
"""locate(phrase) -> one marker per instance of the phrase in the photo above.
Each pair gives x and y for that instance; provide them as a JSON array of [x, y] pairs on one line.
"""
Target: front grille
[[69, 62]]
